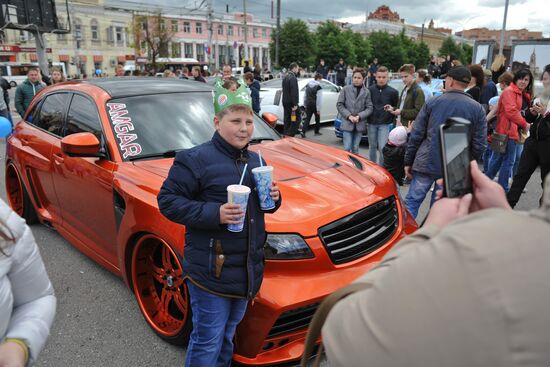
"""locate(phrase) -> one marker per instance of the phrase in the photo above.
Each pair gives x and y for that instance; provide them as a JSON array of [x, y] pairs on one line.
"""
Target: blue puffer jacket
[[192, 194], [423, 152]]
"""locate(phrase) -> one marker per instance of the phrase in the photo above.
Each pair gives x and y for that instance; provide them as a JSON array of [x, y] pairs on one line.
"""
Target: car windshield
[[155, 125]]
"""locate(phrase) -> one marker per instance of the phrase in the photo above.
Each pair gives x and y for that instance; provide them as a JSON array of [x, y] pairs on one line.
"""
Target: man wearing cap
[[489, 89], [422, 158]]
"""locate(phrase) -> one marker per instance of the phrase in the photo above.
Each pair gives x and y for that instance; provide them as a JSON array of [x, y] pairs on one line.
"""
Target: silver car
[[271, 98]]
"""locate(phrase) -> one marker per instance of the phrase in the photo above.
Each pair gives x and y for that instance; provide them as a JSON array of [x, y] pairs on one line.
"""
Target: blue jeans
[[352, 140], [487, 158], [519, 150], [378, 137], [504, 163], [215, 319], [420, 186]]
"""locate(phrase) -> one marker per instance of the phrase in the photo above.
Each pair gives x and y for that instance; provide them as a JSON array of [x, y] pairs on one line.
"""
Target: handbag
[[499, 143]]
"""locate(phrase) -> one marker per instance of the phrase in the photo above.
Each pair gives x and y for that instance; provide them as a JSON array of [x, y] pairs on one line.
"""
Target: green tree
[[153, 33], [419, 55], [296, 44], [467, 52], [362, 49], [450, 47], [388, 49], [332, 44]]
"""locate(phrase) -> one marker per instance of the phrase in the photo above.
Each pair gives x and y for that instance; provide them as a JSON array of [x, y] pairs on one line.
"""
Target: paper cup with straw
[[263, 177], [238, 194]]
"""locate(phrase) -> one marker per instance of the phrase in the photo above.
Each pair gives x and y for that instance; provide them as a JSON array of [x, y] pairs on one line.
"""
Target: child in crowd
[[223, 270], [394, 153]]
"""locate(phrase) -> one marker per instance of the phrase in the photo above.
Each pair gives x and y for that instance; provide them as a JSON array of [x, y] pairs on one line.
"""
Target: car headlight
[[286, 247]]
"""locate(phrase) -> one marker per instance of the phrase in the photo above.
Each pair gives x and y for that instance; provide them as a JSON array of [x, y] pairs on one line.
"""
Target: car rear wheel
[[160, 290], [13, 84], [18, 197]]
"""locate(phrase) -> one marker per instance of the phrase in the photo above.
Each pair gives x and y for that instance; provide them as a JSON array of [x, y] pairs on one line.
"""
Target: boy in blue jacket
[[223, 270]]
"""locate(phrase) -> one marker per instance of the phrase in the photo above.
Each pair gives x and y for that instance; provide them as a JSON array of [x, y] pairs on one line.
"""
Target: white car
[[271, 99]]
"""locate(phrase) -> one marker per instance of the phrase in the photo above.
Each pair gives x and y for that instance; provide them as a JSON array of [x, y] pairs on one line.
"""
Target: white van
[[16, 73]]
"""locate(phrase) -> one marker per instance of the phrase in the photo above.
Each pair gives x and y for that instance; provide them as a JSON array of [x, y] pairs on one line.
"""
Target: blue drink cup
[[263, 176], [238, 194]]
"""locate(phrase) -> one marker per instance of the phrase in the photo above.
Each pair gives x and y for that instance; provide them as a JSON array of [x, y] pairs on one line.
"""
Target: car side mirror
[[270, 118], [81, 145]]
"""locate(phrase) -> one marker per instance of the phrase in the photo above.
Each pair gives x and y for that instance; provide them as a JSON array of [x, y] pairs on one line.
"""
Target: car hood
[[319, 184]]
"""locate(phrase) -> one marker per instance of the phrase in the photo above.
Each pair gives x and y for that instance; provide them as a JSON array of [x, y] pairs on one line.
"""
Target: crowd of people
[[438, 284]]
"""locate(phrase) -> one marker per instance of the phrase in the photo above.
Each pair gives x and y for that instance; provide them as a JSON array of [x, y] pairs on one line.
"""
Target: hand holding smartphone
[[454, 142]]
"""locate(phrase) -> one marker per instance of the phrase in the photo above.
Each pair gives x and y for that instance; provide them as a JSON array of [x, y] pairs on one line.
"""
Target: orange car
[[89, 158]]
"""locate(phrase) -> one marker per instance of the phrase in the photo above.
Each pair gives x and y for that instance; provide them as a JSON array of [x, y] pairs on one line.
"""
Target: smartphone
[[454, 141]]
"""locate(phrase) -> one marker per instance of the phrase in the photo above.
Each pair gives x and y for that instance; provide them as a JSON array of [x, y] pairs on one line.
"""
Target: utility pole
[[41, 52], [503, 31], [209, 9], [278, 34], [245, 32]]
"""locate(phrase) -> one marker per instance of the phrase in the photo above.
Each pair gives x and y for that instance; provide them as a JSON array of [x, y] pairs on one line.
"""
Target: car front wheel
[[160, 291], [18, 198]]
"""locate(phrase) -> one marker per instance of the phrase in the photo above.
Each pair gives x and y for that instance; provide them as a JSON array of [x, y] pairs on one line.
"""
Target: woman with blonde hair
[[498, 67], [27, 300]]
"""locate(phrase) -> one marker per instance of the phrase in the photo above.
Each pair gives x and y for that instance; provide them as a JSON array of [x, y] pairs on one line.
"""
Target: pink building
[[190, 39]]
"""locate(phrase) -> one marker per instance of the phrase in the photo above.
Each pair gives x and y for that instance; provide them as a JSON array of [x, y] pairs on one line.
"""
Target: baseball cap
[[460, 74], [398, 136]]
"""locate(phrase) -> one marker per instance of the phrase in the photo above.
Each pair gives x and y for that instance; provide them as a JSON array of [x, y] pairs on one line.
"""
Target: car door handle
[[24, 142], [58, 158]]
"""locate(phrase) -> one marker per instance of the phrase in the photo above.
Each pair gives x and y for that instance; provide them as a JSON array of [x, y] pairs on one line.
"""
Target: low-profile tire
[[160, 291], [18, 197]]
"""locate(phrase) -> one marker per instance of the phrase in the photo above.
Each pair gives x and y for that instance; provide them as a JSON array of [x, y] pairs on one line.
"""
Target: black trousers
[[535, 154], [311, 110], [291, 127]]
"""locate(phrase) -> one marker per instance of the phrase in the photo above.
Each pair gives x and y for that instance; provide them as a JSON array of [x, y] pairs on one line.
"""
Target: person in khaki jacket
[[470, 288]]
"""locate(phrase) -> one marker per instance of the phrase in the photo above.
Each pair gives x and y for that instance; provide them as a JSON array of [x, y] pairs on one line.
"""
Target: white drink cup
[[263, 176], [238, 194]]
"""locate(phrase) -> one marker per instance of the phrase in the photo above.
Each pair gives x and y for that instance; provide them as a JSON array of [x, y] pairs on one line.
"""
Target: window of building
[[200, 52], [229, 30], [175, 25], [220, 29], [94, 28], [186, 27], [264, 32], [143, 45], [188, 49], [144, 25], [119, 37], [255, 32], [162, 25], [78, 30], [198, 27], [83, 117], [61, 36], [176, 50]]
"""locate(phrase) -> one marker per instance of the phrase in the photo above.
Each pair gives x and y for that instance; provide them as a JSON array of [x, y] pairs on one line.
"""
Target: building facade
[[485, 34], [189, 38], [98, 39]]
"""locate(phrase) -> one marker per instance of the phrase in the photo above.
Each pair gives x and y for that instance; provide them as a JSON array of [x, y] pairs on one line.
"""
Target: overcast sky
[[455, 14]]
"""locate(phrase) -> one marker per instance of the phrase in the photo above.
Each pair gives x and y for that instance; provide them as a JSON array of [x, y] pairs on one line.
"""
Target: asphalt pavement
[[98, 322]]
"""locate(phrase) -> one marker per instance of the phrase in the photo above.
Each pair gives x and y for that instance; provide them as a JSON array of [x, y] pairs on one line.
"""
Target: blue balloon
[[5, 127]]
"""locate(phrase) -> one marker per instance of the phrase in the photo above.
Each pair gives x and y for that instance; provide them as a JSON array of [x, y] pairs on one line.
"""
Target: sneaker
[[302, 133], [318, 133]]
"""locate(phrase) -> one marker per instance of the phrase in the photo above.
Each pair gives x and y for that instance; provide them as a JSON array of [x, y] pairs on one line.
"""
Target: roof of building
[[136, 86]]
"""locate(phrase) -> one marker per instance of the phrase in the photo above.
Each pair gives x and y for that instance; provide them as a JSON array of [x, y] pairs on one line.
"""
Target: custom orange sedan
[[89, 157]]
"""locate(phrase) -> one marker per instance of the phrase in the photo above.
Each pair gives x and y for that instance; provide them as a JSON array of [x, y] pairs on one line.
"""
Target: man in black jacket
[[381, 120], [340, 69], [5, 86], [322, 69], [291, 100]]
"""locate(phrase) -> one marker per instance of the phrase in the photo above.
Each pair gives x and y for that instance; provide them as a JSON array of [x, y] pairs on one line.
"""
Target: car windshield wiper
[[167, 154], [260, 139]]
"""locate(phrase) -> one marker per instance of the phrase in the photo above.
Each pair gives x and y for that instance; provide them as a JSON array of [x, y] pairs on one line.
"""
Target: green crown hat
[[224, 98]]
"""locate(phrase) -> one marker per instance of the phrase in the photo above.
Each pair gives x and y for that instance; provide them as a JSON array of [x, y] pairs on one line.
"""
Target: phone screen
[[455, 153]]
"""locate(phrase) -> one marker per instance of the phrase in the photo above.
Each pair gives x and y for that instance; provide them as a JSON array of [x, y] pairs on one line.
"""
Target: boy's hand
[[230, 214], [274, 193]]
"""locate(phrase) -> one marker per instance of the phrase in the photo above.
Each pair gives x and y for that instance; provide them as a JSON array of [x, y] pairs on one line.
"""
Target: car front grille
[[360, 233], [293, 320]]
